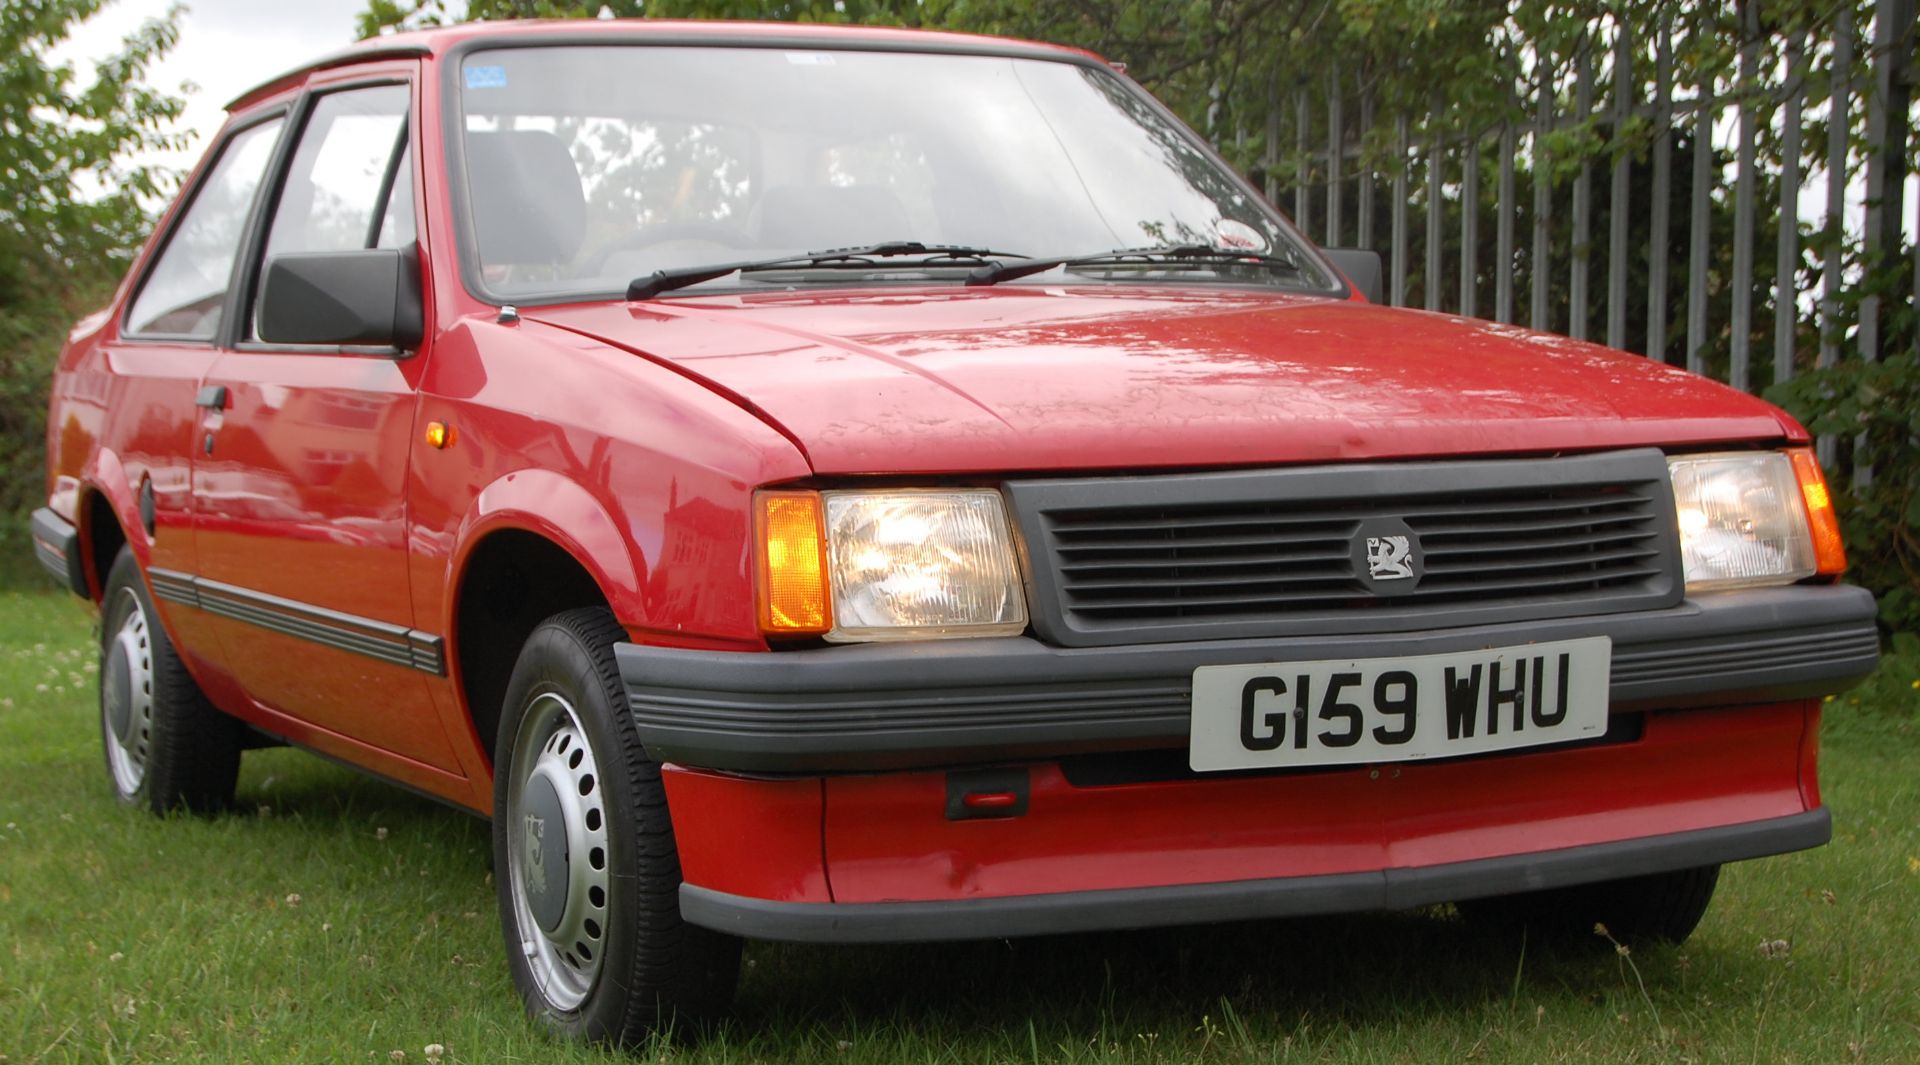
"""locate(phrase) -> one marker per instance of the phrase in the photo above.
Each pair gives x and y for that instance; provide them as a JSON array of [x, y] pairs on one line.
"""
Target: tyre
[[1662, 907], [166, 747], [584, 861]]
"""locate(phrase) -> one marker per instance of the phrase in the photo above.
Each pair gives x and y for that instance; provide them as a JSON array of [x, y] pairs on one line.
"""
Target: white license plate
[[1276, 714]]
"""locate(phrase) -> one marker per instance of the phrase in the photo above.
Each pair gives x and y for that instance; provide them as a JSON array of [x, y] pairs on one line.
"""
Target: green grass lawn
[[337, 919]]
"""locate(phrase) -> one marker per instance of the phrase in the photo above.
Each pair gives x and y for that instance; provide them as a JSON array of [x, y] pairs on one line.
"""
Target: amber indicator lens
[[440, 435], [1829, 550], [792, 565]]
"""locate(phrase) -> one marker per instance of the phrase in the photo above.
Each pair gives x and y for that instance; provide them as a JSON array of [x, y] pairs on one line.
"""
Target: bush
[[61, 248], [1874, 407]]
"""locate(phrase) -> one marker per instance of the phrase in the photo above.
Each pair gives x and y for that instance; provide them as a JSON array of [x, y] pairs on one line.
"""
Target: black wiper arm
[[645, 288], [994, 273]]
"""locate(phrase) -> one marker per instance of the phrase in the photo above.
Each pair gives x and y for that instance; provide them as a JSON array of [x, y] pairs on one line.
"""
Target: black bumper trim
[[56, 543], [1243, 900], [951, 702]]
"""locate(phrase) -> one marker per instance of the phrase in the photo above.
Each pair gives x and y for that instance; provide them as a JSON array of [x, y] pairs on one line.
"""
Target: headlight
[[1743, 520], [898, 565]]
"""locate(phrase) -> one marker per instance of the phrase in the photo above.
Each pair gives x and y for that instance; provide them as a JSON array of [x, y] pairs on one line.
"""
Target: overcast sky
[[226, 47]]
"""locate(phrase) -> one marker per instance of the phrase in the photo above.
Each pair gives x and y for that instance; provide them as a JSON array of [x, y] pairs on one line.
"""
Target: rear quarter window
[[184, 295]]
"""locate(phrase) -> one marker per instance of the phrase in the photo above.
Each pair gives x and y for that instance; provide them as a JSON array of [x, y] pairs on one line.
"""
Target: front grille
[[1274, 551]]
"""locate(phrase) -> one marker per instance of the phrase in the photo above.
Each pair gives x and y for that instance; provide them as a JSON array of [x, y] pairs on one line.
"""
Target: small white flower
[[433, 1051], [293, 899], [380, 833]]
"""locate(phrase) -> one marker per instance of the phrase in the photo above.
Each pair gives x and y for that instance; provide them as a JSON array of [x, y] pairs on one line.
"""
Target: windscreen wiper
[[645, 288], [1199, 254]]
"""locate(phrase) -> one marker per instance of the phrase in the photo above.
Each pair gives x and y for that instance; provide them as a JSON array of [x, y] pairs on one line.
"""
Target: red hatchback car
[[849, 485]]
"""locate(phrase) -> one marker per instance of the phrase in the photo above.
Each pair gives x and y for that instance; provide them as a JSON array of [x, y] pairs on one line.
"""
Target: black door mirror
[[1362, 266], [343, 297]]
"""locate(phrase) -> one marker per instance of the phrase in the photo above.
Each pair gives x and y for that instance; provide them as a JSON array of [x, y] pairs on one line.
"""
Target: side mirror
[[1362, 267], [343, 297]]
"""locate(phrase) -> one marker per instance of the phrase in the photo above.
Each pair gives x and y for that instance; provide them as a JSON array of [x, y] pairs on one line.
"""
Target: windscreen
[[587, 167]]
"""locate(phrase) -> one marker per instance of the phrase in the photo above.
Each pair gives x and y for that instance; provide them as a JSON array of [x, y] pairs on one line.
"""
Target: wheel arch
[[107, 517], [534, 545]]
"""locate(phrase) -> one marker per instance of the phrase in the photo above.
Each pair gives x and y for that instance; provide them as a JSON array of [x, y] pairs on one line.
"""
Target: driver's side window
[[350, 186]]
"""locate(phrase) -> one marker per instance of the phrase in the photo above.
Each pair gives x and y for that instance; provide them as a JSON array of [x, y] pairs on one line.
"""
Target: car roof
[[439, 40]]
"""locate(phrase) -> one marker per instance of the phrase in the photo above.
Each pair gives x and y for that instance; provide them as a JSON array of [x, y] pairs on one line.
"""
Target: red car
[[847, 485]]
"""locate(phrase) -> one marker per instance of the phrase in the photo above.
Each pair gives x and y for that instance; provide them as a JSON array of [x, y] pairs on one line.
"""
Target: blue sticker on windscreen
[[486, 77]]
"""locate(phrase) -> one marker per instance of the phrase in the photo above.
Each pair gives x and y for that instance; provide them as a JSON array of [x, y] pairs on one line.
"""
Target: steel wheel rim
[[551, 750], [129, 745]]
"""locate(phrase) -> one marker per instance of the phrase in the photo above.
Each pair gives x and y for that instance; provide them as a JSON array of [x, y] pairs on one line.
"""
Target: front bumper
[[897, 706], [56, 543], [883, 856], [1241, 900]]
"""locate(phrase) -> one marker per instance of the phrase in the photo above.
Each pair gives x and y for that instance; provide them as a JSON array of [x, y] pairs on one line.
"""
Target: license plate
[[1277, 714]]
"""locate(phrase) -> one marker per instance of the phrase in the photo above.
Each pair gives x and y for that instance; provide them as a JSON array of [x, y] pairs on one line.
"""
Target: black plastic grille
[[1280, 553]]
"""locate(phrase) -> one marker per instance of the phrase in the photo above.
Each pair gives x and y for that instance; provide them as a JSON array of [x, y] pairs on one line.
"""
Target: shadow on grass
[[1362, 971], [289, 781]]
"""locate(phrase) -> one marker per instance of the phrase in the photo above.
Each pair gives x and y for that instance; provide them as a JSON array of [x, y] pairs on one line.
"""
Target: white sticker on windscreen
[[1233, 234], [810, 59]]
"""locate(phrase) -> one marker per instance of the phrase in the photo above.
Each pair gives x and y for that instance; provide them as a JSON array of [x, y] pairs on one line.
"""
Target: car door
[[157, 357], [300, 486]]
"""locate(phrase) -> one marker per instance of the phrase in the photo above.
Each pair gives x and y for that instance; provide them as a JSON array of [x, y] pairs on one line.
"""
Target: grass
[[337, 919]]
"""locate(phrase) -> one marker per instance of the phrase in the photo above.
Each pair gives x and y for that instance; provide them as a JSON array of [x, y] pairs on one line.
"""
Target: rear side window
[[186, 291]]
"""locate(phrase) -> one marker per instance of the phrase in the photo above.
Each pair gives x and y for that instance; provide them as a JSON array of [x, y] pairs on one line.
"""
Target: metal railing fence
[[1653, 186]]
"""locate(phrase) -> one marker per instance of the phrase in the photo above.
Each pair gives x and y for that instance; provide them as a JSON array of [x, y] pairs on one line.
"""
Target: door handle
[[212, 397]]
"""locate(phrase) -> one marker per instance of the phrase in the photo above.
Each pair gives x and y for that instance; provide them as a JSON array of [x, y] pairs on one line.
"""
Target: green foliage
[[1871, 410], [1878, 405], [73, 203]]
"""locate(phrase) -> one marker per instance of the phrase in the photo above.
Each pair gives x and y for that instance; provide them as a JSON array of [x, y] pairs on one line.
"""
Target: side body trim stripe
[[386, 642]]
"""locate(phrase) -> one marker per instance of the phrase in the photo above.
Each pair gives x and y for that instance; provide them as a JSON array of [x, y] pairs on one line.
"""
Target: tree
[[74, 204]]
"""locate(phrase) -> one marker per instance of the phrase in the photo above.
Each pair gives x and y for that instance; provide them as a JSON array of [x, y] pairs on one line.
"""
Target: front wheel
[[584, 860], [166, 747]]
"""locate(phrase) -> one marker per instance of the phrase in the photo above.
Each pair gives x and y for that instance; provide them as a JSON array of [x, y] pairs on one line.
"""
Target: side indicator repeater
[[440, 435]]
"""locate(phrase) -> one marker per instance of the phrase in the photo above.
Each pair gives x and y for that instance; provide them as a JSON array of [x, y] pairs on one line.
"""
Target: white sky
[[226, 47]]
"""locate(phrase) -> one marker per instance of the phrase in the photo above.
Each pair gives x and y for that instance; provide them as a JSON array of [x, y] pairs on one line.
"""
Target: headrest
[[813, 217], [526, 199]]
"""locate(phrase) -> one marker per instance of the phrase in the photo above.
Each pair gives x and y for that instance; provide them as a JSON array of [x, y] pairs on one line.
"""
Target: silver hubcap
[[557, 852], [126, 699]]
